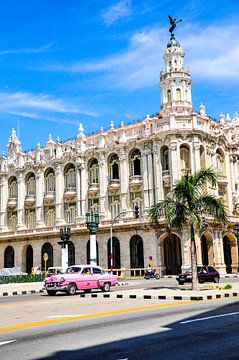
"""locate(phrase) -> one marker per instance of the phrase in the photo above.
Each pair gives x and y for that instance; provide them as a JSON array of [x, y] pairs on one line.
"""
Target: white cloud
[[211, 53], [26, 50], [38, 105], [119, 10]]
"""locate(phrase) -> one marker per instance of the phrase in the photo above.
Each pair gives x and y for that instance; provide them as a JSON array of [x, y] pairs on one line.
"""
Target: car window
[[211, 269], [97, 271], [73, 269]]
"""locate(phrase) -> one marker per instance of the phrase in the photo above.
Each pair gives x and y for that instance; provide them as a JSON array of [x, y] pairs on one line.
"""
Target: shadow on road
[[207, 335]]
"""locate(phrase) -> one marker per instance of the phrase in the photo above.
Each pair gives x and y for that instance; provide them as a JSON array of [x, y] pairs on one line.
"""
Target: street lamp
[[92, 223], [236, 229], [65, 234]]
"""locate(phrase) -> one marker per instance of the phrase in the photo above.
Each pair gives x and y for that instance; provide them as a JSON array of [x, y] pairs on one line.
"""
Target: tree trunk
[[195, 283]]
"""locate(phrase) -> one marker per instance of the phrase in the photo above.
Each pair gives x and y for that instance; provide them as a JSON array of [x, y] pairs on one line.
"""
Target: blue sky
[[66, 62]]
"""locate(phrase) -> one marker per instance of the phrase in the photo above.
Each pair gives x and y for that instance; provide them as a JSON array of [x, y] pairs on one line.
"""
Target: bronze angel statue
[[173, 22]]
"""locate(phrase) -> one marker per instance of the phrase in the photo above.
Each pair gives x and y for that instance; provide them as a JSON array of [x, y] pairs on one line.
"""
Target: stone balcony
[[49, 197], [136, 183], [30, 200], [93, 189], [12, 203], [114, 186], [70, 194], [166, 178]]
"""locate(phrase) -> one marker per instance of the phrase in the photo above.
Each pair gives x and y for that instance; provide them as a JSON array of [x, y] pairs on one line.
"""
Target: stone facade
[[116, 171]]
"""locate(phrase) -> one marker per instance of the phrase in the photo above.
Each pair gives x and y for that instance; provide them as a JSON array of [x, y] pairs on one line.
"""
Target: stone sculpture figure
[[173, 23]]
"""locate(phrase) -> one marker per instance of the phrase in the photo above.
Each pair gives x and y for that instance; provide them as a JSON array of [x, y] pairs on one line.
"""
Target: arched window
[[70, 177], [70, 213], [12, 220], [136, 252], [115, 253], [29, 259], [12, 188], [47, 249], [49, 215], [169, 96], [178, 95], [30, 218], [185, 158], [165, 158], [114, 167], [114, 202], [49, 180], [71, 253], [30, 184], [9, 257], [135, 163], [94, 171], [220, 162]]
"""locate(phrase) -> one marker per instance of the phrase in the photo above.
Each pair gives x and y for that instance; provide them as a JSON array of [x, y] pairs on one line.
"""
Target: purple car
[[205, 274]]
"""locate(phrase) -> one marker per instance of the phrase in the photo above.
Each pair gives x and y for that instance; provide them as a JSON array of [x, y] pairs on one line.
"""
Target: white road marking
[[6, 342], [64, 316], [209, 317]]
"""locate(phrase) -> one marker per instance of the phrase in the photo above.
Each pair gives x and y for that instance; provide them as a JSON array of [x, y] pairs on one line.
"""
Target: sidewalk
[[156, 292]]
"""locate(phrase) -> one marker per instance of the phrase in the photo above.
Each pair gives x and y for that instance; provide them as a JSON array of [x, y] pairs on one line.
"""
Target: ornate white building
[[114, 171]]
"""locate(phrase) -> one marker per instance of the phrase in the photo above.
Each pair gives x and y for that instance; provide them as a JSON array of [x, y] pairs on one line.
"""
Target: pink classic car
[[80, 277]]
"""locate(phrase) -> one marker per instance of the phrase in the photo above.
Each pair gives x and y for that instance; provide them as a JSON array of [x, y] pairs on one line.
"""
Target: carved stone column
[[3, 204], [124, 181], [174, 162], [39, 197], [59, 195], [197, 164], [20, 201], [103, 186]]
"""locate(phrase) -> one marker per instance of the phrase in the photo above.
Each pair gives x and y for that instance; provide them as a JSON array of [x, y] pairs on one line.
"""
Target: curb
[[135, 296]]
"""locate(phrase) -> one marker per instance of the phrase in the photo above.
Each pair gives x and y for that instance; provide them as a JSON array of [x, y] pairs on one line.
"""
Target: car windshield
[[73, 269]]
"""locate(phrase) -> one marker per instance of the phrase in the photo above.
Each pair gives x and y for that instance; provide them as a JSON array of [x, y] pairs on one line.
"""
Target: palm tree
[[186, 204]]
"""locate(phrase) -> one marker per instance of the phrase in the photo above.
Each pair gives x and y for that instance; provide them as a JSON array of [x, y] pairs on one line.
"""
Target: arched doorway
[[88, 252], [227, 254], [9, 257], [172, 254], [207, 251], [136, 252], [204, 250], [115, 253], [29, 259], [71, 253], [47, 248]]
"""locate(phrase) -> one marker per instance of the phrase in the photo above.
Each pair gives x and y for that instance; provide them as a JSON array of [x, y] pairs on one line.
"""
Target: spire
[[13, 143]]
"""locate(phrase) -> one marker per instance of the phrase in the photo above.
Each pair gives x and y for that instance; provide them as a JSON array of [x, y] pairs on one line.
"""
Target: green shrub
[[20, 278], [228, 286]]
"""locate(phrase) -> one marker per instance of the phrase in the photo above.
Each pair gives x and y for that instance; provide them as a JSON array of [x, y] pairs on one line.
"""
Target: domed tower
[[175, 81]]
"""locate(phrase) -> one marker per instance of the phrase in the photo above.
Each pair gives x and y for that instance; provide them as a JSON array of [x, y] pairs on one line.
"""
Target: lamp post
[[65, 234], [236, 229], [92, 223]]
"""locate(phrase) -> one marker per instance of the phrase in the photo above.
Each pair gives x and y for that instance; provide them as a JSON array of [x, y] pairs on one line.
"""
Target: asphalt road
[[115, 329]]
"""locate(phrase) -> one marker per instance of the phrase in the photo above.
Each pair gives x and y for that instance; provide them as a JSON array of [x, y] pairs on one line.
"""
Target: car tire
[[147, 277], [106, 287], [181, 283], [216, 279], [51, 292], [71, 289]]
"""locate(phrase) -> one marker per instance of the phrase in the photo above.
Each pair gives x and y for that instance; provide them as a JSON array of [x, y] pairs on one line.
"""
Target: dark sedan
[[205, 274]]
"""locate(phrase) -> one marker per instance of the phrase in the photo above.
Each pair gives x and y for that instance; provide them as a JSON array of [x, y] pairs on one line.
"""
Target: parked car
[[80, 277], [205, 274], [53, 270]]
